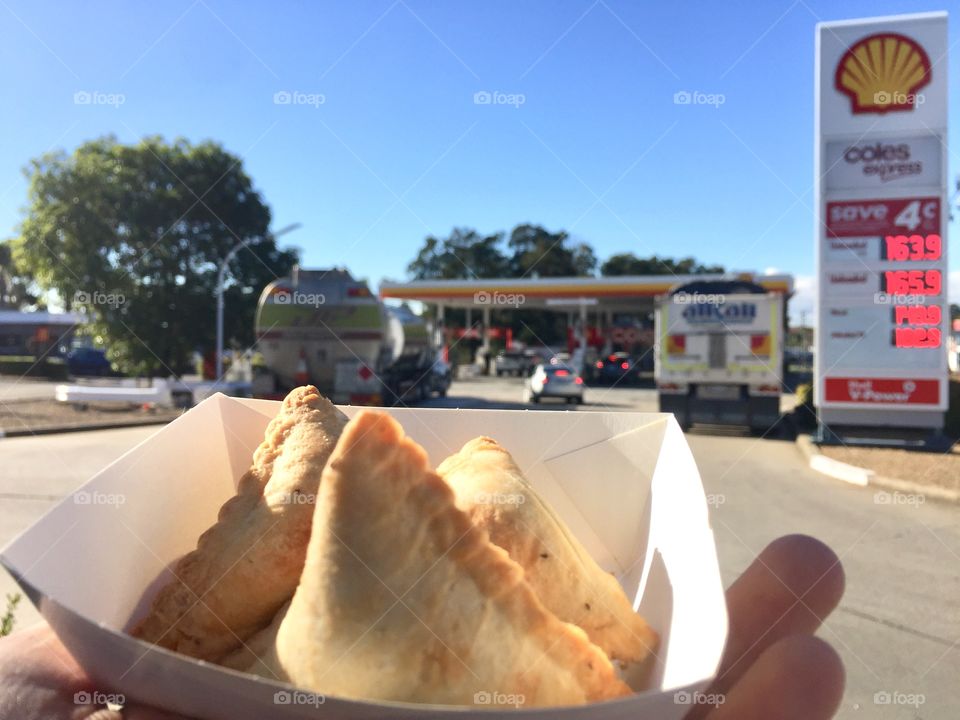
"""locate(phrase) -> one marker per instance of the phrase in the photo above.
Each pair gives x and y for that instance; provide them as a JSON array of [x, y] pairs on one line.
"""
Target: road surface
[[13, 389], [897, 629]]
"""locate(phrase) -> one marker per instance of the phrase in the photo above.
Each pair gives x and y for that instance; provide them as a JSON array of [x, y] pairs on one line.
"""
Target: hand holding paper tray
[[646, 521]]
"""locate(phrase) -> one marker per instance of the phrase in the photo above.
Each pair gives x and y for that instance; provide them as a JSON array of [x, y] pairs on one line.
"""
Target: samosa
[[247, 565], [490, 488], [403, 598]]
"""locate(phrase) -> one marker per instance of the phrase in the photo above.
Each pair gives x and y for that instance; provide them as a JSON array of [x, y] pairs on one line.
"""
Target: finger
[[36, 652], [763, 604], [35, 664], [798, 678], [788, 590]]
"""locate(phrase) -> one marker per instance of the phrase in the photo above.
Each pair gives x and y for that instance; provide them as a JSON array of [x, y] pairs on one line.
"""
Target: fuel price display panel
[[883, 265]]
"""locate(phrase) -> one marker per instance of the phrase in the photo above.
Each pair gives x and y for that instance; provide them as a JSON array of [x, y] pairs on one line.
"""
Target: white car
[[559, 381]]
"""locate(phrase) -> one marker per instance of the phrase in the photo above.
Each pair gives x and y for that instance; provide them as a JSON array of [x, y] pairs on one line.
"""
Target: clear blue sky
[[399, 149]]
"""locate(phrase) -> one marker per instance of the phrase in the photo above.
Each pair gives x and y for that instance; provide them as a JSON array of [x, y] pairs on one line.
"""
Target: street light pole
[[221, 272]]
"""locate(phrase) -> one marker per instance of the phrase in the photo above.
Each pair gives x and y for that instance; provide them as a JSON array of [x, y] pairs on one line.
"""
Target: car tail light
[[624, 366], [563, 373], [578, 381], [599, 364], [612, 358]]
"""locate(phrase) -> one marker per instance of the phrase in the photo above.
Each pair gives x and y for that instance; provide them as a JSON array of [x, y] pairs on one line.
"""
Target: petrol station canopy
[[626, 293]]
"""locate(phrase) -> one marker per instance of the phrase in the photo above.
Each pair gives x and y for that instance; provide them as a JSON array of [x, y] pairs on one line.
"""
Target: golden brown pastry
[[403, 598], [490, 488], [248, 564]]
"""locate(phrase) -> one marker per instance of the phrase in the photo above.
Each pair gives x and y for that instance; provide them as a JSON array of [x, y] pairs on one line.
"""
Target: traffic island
[[930, 475], [46, 417]]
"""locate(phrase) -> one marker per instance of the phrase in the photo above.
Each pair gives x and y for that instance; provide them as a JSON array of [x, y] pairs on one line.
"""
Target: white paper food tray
[[625, 483]]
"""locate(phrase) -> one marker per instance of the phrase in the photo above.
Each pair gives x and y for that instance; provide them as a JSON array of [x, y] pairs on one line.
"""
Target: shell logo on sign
[[883, 73]]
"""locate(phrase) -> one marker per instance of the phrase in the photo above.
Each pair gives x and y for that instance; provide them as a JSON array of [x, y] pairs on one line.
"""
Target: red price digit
[[915, 243], [917, 315], [896, 246], [913, 282], [917, 337], [895, 282], [900, 248]]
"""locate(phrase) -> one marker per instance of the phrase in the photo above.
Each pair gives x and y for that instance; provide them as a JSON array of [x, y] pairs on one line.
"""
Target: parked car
[[559, 381], [414, 378], [88, 361], [514, 362], [617, 367]]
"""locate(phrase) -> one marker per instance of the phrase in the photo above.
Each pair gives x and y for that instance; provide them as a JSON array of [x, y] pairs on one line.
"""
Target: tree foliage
[[463, 254], [133, 235], [630, 264], [537, 252], [531, 251], [15, 291]]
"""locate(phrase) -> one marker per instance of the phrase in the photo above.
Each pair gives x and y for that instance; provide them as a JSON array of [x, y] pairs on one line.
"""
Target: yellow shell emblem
[[882, 73]]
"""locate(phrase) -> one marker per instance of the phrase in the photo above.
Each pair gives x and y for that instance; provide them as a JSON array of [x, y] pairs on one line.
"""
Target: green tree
[[15, 292], [133, 234], [537, 252], [630, 264], [464, 254]]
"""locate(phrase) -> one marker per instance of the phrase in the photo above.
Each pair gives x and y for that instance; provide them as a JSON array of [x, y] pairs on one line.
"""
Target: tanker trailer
[[326, 328]]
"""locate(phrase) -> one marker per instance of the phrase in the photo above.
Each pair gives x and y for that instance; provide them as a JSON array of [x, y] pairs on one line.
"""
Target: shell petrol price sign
[[880, 238]]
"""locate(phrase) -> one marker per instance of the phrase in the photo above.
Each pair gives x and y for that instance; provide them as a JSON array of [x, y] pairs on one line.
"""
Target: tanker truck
[[326, 328]]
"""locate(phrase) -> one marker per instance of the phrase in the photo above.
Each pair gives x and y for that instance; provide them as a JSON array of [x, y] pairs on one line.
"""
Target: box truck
[[719, 353]]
